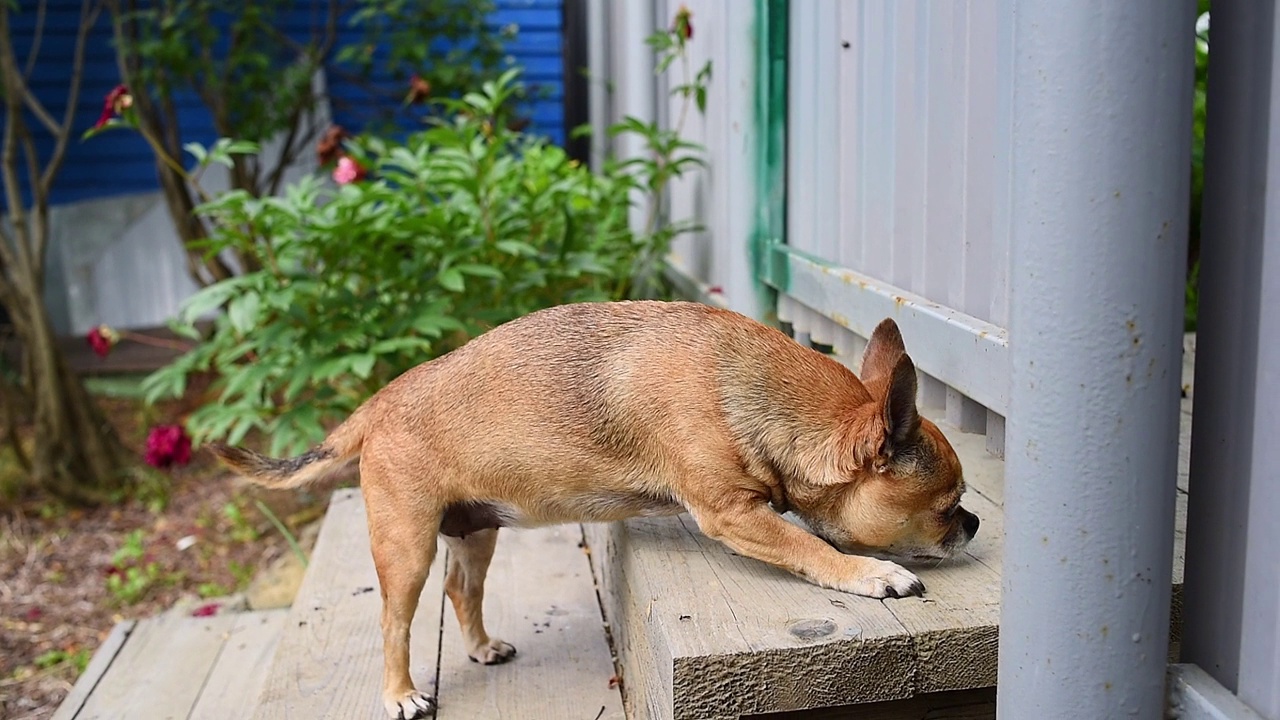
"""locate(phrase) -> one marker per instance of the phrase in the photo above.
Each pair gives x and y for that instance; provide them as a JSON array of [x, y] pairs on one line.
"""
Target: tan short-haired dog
[[598, 412]]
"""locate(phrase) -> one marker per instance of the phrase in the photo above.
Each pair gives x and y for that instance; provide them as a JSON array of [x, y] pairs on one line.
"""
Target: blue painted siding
[[120, 162]]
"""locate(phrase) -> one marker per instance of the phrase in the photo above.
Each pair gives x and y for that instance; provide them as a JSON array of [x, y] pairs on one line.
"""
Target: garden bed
[[58, 599]]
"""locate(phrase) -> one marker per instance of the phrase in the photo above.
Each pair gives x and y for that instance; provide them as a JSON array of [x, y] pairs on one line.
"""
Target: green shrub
[[464, 226]]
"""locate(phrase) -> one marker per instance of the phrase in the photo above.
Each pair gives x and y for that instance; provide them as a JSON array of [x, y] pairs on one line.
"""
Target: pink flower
[[206, 610], [116, 102], [348, 171], [168, 445], [102, 339]]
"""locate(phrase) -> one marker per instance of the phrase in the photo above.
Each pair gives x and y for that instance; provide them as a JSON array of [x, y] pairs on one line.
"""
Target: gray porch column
[[1231, 619], [1100, 177]]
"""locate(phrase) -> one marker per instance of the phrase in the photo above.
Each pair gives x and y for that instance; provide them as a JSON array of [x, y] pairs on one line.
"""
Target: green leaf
[[479, 270], [197, 151], [243, 312], [451, 279], [242, 147], [517, 247], [210, 298], [362, 365], [399, 344]]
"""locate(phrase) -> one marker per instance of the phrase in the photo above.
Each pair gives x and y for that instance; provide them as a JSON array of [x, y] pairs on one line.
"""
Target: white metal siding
[[893, 148]]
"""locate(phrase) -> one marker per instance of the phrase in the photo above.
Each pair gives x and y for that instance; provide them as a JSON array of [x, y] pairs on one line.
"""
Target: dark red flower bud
[[329, 147], [684, 23], [116, 102], [419, 90], [102, 339]]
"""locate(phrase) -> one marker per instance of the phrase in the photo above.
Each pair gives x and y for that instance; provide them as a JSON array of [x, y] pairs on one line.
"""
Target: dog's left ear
[[898, 412], [883, 351]]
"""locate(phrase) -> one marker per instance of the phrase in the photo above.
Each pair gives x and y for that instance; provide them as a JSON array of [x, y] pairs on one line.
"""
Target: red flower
[[116, 102], [32, 614], [348, 171], [684, 24], [419, 90], [206, 610], [168, 445], [102, 339]]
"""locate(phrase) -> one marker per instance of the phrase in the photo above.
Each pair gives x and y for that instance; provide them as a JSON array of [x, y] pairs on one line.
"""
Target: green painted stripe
[[770, 119]]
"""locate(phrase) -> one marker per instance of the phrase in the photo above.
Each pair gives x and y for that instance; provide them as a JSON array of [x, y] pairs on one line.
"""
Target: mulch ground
[[57, 563]]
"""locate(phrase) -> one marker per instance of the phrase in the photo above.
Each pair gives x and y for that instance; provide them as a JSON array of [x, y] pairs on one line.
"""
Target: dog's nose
[[970, 524]]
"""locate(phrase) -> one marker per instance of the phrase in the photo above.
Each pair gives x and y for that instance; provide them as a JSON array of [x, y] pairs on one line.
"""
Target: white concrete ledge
[[1195, 695]]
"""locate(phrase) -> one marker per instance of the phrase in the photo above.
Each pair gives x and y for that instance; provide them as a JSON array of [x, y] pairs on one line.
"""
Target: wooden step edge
[[95, 670]]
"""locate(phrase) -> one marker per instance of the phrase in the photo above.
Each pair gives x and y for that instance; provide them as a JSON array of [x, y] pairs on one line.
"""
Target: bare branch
[[35, 42], [14, 255], [37, 108], [7, 263], [89, 12]]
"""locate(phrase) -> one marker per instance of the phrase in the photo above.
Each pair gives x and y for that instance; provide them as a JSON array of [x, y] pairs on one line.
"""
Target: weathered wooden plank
[[328, 663], [102, 660], [977, 704], [540, 597], [956, 626], [233, 685], [645, 683], [715, 620], [160, 670]]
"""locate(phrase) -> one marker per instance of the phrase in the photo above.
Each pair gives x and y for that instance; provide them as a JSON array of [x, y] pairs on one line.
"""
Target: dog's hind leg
[[402, 532], [469, 558]]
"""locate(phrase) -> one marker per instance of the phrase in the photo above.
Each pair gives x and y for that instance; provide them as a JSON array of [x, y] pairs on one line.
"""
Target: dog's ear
[[901, 418], [894, 424], [882, 353]]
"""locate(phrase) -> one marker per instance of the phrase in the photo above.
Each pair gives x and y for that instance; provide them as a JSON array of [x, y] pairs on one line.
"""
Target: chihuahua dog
[[597, 412]]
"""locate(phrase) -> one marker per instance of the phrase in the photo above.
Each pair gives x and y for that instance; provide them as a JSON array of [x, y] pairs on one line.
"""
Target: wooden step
[[704, 634], [177, 667], [540, 597]]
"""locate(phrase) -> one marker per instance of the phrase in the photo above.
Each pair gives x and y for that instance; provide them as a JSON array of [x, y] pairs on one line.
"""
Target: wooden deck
[[701, 633], [540, 597], [322, 658], [177, 667]]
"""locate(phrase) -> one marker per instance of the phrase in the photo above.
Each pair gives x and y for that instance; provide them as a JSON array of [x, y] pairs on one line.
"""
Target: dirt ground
[[68, 575]]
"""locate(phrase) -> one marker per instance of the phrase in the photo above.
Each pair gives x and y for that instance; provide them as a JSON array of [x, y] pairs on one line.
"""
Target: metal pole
[[1100, 163]]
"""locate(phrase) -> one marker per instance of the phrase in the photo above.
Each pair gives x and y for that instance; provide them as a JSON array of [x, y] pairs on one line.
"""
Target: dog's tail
[[337, 452]]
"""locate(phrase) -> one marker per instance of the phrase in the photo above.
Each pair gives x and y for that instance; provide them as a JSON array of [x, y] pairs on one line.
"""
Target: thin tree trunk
[[76, 455]]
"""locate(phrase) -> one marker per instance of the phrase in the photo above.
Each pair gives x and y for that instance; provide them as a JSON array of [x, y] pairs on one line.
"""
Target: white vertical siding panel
[[718, 145], [826, 42], [909, 146], [980, 141], [733, 164], [598, 54], [848, 144], [802, 113], [688, 196], [1001, 173], [877, 139], [944, 208]]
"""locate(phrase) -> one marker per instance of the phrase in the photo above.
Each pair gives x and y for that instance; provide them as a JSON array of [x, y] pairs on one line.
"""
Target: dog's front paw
[[410, 706], [884, 579], [494, 652]]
